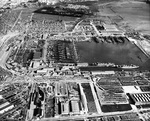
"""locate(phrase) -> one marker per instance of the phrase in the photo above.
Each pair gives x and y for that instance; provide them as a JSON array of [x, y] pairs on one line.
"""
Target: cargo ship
[[129, 66]]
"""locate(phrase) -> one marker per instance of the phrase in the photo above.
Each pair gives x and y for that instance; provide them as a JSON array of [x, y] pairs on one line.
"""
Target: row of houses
[[4, 106]]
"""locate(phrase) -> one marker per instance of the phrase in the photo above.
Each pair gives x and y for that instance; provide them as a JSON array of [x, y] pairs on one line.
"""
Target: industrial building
[[140, 98]]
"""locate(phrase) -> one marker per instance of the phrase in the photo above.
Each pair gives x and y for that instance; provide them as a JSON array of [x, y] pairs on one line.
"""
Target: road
[[4, 56], [6, 37], [16, 20], [3, 53], [45, 51], [32, 106], [81, 117]]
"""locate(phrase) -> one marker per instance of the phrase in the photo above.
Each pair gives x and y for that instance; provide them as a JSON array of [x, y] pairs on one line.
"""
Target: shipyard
[[74, 60]]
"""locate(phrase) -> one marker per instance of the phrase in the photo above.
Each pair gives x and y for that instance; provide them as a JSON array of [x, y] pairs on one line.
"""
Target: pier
[[139, 46]]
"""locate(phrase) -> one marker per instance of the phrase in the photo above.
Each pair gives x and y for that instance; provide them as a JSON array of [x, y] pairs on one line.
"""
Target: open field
[[134, 14]]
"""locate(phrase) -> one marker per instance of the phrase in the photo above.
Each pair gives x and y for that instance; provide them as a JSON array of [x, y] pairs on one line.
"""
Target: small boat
[[108, 40], [95, 39], [99, 39], [120, 40]]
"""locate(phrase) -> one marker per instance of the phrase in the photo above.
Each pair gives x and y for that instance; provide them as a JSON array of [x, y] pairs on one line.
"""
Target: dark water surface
[[122, 53]]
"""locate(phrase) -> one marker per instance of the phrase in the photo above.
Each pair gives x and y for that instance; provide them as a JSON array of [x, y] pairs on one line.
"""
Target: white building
[[18, 1], [103, 72], [49, 1]]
